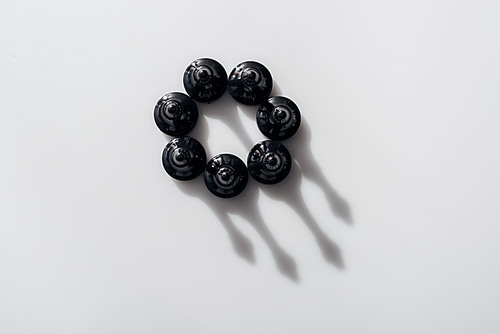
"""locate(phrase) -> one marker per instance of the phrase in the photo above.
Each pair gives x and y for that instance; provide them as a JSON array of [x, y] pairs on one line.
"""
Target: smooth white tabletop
[[389, 222]]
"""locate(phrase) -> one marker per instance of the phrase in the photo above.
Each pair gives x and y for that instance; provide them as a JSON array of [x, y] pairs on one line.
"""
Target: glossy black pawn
[[184, 158], [176, 114], [278, 118], [205, 80], [269, 162], [225, 175], [250, 83]]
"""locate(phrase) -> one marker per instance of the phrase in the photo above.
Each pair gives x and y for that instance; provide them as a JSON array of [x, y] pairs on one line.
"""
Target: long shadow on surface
[[246, 204]]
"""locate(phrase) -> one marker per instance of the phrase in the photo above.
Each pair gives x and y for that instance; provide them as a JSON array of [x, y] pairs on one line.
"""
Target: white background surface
[[388, 224]]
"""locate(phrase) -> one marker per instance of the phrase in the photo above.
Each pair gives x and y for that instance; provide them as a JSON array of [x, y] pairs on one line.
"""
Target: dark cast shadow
[[246, 204], [225, 109], [300, 148], [288, 191]]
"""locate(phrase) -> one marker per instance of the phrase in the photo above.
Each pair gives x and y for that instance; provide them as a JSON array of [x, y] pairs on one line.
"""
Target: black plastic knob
[[278, 118], [225, 175], [269, 162], [250, 83], [176, 114], [205, 80], [184, 158]]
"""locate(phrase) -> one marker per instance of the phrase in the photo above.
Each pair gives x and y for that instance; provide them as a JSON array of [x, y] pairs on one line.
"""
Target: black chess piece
[[225, 175], [176, 114], [250, 83], [184, 158], [205, 80], [278, 118], [269, 162]]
